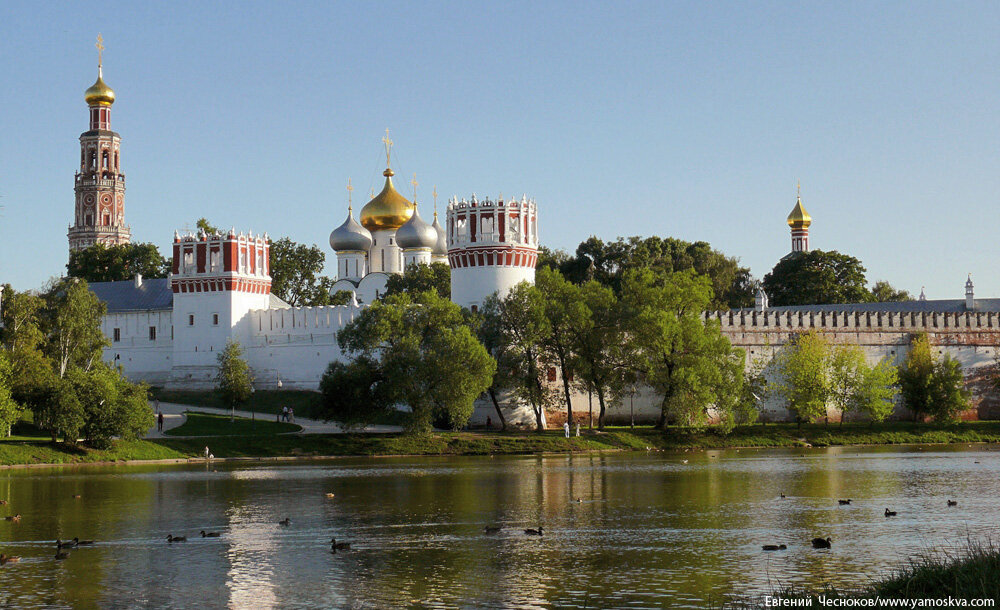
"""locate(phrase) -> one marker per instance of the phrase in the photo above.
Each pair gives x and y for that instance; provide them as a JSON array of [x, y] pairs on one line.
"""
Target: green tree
[[816, 278], [516, 327], [23, 338], [857, 387], [565, 313], [687, 360], [753, 392], [804, 379], [915, 374], [948, 394], [72, 320], [428, 356], [101, 263], [203, 225], [420, 278], [341, 297], [883, 292], [10, 411], [295, 270], [112, 406], [235, 378], [353, 393], [607, 262], [56, 408], [603, 354]]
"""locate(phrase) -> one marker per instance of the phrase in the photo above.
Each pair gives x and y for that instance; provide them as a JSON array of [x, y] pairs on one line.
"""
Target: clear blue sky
[[692, 120]]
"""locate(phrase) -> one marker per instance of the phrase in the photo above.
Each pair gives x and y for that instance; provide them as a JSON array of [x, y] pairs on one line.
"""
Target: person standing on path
[[159, 422], [566, 428], [291, 414]]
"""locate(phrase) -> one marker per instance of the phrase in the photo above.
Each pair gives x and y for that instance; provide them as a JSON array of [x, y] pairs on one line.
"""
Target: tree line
[[51, 365]]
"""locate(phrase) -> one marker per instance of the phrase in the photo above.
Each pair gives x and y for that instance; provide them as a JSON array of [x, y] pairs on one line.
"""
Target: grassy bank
[[38, 451], [816, 435], [965, 576]]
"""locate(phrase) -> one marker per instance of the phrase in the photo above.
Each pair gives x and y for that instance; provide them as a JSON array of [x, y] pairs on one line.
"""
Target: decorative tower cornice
[[100, 184]]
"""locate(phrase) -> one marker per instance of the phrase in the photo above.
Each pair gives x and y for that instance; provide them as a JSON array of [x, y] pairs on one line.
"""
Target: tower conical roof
[[416, 233], [799, 218], [388, 209], [350, 235]]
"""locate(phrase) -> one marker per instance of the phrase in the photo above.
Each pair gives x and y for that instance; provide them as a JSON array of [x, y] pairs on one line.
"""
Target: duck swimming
[[492, 529], [205, 534], [172, 538], [286, 521], [821, 543], [16, 517], [339, 546], [534, 532], [774, 547], [844, 502], [8, 559], [952, 503], [890, 513]]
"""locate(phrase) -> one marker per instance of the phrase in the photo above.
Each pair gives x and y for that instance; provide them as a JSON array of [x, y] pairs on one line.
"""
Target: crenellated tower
[[492, 246], [799, 221], [100, 184]]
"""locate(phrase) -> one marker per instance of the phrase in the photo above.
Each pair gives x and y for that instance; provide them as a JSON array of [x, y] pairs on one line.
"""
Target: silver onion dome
[[416, 233], [350, 235], [441, 247]]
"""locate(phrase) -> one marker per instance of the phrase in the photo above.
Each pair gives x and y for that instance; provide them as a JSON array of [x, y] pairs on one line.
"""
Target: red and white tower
[[216, 280], [100, 183], [799, 221], [492, 246]]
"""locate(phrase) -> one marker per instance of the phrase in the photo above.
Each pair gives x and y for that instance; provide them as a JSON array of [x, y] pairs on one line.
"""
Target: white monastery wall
[[141, 343]]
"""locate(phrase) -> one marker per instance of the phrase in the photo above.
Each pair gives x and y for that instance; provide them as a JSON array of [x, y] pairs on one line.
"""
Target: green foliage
[[753, 391], [816, 278], [295, 270], [948, 394], [607, 263], [513, 329], [427, 355], [341, 297], [72, 320], [57, 409], [421, 278], [929, 387], [203, 225], [603, 354], [354, 393], [235, 379], [101, 263], [883, 292], [566, 314], [804, 379], [10, 411], [112, 406], [857, 387], [688, 361]]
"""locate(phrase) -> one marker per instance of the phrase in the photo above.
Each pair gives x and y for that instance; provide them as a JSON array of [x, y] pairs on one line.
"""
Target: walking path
[[173, 416]]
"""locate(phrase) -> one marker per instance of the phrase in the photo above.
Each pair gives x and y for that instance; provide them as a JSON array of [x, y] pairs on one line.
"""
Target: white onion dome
[[416, 233], [441, 246], [350, 235]]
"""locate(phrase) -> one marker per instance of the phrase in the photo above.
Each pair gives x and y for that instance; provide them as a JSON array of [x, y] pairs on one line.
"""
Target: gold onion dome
[[388, 210], [99, 94], [799, 218]]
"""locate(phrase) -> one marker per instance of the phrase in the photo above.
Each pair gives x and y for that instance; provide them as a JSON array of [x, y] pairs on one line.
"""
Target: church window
[[390, 241], [188, 260], [190, 319], [260, 262], [215, 319], [243, 260], [152, 333], [117, 335], [552, 373], [475, 308], [88, 220], [104, 160], [93, 159], [214, 260]]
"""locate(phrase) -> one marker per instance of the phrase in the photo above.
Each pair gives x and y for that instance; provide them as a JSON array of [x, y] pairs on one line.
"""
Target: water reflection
[[636, 530]]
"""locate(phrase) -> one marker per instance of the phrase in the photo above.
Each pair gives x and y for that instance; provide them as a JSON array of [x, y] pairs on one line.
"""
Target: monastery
[[169, 331]]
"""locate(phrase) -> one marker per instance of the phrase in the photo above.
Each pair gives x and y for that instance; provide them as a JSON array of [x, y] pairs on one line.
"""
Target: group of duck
[[495, 529], [826, 543]]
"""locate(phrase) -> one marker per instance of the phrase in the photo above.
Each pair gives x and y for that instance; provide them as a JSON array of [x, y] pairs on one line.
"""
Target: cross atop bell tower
[[99, 216]]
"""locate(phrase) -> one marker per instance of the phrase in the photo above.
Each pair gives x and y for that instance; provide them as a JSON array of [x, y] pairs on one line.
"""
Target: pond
[[632, 530]]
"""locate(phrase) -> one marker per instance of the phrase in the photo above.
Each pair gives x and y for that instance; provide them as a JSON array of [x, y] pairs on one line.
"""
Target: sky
[[686, 119]]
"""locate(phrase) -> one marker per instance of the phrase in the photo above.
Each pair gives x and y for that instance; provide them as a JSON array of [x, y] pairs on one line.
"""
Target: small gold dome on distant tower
[[799, 218], [99, 94], [388, 209]]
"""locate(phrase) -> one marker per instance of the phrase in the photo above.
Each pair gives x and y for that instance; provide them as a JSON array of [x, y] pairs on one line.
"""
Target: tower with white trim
[[799, 221], [492, 246]]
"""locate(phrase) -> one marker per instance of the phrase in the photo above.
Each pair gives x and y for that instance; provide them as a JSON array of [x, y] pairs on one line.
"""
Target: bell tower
[[99, 216]]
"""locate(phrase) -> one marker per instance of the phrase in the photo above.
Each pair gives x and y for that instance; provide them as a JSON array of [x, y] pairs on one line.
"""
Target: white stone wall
[[141, 358], [471, 285]]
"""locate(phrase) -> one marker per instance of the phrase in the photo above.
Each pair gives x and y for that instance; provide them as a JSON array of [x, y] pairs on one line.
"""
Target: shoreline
[[298, 447]]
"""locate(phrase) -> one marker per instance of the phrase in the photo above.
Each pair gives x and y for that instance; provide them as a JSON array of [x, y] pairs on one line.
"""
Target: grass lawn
[[305, 403], [210, 424], [46, 452]]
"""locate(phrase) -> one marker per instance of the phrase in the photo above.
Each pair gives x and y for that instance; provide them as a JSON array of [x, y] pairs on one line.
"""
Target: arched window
[[104, 160]]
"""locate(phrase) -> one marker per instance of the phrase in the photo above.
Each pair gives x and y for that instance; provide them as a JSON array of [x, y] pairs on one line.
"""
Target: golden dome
[[99, 94], [799, 218], [388, 210]]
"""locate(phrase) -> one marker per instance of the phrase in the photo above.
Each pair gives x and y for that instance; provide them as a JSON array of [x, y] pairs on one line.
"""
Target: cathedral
[[169, 331]]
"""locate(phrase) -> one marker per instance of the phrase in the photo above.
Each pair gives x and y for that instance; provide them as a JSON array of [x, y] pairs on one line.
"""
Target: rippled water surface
[[622, 530]]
